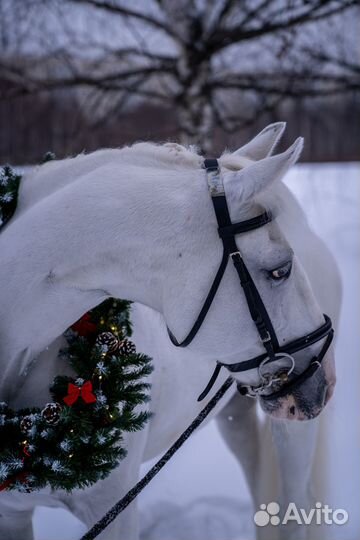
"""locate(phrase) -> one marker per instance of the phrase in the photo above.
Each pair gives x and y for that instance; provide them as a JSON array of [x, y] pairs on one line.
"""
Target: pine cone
[[51, 413], [108, 340], [127, 347], [26, 424]]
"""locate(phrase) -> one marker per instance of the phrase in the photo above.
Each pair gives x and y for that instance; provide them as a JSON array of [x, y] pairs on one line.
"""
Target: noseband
[[273, 351]]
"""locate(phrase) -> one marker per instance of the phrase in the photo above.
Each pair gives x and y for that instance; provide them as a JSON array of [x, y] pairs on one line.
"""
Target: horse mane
[[45, 179], [278, 199], [49, 177], [168, 155]]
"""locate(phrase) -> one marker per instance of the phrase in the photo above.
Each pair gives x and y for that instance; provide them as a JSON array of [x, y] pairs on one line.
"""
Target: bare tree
[[221, 62]]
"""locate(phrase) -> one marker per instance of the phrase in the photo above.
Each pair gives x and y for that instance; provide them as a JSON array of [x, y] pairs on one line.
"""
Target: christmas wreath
[[76, 440]]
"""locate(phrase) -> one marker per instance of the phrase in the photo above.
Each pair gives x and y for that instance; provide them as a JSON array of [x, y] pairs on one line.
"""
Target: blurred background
[[84, 74]]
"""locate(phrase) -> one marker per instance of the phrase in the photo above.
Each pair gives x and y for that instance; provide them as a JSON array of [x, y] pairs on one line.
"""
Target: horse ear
[[264, 143], [256, 177]]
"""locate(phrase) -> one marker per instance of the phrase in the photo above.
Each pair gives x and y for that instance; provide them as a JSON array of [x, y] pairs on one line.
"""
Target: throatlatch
[[258, 312]]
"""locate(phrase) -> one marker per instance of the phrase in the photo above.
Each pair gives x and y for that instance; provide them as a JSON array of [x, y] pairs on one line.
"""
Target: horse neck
[[102, 235], [48, 178]]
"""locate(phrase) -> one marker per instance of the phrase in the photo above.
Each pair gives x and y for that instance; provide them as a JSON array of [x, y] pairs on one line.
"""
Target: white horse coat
[[111, 217]]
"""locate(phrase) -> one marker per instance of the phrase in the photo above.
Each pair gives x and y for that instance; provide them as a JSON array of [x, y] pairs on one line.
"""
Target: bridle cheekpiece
[[258, 312]]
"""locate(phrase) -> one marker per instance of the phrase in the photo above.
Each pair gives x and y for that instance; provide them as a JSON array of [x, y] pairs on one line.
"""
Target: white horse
[[138, 223]]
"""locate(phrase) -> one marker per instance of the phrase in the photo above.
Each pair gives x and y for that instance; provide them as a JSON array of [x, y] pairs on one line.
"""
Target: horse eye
[[283, 272]]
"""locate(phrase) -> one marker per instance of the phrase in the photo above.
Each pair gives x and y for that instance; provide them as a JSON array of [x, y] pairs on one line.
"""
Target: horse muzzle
[[308, 399]]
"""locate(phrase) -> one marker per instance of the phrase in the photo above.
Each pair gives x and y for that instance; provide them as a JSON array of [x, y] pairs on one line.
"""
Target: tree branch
[[290, 89], [23, 84], [225, 37], [127, 12], [325, 58]]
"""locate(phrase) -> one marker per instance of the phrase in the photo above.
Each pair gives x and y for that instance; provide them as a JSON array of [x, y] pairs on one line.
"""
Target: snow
[[201, 493]]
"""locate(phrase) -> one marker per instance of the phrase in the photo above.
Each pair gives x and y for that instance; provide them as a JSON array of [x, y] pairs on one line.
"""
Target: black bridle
[[227, 232]]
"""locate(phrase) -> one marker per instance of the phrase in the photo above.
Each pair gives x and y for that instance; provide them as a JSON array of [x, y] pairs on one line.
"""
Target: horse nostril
[[292, 410]]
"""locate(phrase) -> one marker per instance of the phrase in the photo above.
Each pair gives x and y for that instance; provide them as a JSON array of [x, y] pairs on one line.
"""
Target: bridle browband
[[227, 232]]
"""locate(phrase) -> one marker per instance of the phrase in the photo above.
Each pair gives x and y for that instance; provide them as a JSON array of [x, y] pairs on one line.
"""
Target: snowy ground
[[201, 494]]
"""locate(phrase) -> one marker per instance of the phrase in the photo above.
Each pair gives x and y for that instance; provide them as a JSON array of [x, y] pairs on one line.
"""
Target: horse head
[[276, 293]]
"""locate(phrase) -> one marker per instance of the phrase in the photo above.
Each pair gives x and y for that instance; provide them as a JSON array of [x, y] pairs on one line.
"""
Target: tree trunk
[[196, 124], [194, 110]]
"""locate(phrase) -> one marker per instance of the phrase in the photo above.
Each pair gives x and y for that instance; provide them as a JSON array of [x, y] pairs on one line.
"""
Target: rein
[[134, 492]]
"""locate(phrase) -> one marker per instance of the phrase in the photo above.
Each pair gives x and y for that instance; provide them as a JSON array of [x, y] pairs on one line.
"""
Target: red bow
[[21, 477], [6, 484], [85, 391], [84, 326]]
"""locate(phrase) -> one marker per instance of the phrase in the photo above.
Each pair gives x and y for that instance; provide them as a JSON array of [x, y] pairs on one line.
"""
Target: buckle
[[267, 337], [234, 254], [316, 363]]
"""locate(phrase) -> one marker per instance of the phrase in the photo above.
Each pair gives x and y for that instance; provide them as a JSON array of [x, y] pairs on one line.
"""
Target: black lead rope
[[134, 492]]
